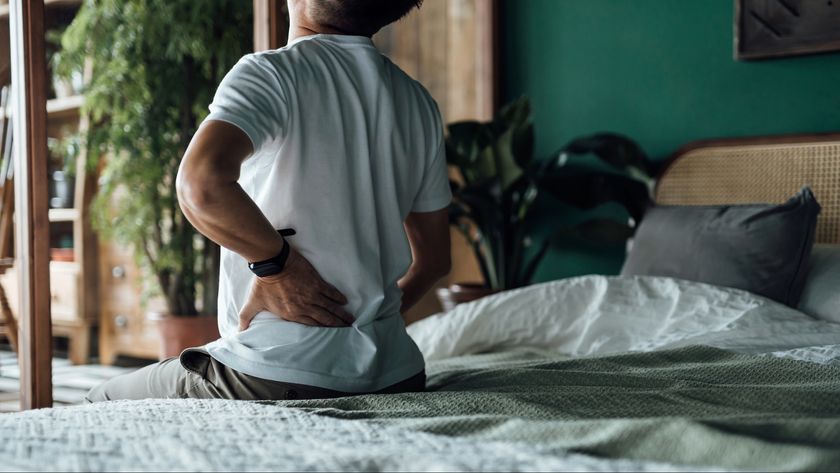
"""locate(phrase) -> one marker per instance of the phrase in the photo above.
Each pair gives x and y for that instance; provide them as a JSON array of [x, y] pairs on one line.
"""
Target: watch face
[[265, 268], [271, 266]]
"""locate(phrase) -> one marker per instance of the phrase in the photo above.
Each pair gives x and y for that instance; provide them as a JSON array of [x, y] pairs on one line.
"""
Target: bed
[[592, 373]]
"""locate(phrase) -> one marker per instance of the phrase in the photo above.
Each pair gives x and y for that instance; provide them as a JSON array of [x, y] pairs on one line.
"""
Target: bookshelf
[[73, 265]]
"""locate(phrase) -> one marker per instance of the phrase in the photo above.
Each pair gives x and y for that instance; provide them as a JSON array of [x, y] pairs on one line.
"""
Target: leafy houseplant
[[154, 67], [493, 203]]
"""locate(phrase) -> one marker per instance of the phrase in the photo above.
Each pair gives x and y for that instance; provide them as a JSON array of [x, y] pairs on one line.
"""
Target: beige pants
[[195, 374]]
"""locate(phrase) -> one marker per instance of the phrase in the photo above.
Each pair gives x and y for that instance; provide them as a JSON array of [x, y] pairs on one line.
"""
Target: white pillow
[[821, 296], [597, 315]]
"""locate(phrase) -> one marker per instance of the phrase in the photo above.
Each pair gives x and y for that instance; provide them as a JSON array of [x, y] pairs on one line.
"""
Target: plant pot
[[64, 87], [178, 333], [63, 190], [62, 254], [460, 293]]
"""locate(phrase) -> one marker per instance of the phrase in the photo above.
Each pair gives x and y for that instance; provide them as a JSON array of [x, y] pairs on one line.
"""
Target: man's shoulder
[[420, 91], [401, 75]]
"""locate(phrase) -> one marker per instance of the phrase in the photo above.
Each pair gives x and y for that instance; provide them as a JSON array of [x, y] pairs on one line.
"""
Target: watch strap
[[276, 264]]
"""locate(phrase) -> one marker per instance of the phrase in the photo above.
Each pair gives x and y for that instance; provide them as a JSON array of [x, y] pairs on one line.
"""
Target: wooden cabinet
[[64, 289], [73, 313], [125, 329]]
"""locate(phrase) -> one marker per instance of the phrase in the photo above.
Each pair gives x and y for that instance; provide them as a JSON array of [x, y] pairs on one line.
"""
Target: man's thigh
[[165, 380]]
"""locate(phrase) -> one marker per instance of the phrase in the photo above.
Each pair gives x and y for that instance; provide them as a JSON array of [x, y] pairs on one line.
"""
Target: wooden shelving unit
[[4, 9], [63, 108], [73, 284], [63, 215]]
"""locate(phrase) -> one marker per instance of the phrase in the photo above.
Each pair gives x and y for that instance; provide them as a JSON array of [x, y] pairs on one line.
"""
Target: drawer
[[119, 294], [121, 323], [131, 333], [119, 282], [64, 293]]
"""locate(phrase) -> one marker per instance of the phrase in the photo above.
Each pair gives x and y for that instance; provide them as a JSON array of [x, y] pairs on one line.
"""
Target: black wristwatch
[[274, 265]]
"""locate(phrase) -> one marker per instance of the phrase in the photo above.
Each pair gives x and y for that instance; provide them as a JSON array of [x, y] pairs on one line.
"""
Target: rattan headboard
[[757, 170]]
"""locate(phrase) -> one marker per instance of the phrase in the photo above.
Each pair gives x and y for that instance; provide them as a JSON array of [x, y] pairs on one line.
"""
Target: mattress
[[586, 374]]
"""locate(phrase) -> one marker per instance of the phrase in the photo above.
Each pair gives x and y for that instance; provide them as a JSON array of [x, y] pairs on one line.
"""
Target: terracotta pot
[[460, 293], [178, 333], [61, 254]]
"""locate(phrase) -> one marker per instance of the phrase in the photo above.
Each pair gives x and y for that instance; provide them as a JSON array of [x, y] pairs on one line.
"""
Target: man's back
[[346, 146]]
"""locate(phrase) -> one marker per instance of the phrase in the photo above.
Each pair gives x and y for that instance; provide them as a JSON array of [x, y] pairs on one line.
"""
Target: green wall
[[659, 71]]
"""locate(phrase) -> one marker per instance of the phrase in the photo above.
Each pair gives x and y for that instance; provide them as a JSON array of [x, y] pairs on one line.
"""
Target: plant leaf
[[614, 149], [587, 191], [516, 118]]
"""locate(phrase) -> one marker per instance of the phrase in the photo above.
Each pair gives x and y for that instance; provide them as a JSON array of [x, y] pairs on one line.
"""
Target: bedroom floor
[[70, 383]]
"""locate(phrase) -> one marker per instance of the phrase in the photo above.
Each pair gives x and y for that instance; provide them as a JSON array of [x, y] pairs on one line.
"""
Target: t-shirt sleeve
[[250, 97], [435, 193]]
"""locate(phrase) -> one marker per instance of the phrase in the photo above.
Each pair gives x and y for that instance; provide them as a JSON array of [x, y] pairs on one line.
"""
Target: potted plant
[[65, 151], [155, 65], [499, 183]]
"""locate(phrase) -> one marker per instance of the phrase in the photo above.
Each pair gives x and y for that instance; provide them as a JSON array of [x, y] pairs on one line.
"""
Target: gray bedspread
[[694, 406]]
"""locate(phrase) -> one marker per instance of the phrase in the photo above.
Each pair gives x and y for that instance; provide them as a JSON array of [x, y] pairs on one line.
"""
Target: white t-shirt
[[346, 146]]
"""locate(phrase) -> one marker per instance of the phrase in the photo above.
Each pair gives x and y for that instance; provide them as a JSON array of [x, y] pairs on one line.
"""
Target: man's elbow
[[196, 189]]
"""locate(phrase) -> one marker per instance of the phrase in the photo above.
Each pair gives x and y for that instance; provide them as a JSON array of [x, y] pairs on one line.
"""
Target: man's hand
[[298, 294], [215, 203]]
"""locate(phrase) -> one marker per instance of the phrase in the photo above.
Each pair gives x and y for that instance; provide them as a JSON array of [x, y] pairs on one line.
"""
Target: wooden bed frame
[[757, 170]]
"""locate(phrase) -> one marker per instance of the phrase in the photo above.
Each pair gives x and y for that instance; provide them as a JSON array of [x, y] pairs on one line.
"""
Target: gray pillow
[[821, 296], [760, 248]]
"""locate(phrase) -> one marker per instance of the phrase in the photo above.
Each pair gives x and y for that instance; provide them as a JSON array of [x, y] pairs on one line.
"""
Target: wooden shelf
[[64, 266], [63, 215], [63, 108], [4, 9], [67, 107]]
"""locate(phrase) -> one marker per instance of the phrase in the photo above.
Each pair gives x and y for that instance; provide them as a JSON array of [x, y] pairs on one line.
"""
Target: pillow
[[821, 296], [759, 248]]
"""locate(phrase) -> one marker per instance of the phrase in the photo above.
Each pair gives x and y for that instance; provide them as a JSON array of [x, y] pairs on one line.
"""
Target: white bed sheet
[[596, 315]]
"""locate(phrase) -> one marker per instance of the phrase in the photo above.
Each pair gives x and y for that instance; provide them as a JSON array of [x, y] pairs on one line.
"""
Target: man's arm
[[215, 203], [428, 234]]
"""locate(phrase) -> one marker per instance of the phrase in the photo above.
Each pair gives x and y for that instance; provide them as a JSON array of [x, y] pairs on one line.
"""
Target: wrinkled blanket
[[694, 406]]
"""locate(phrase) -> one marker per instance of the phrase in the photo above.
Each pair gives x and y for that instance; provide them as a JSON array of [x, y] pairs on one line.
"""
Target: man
[[329, 138]]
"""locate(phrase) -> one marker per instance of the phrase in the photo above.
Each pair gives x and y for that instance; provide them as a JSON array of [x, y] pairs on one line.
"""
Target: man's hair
[[359, 17]]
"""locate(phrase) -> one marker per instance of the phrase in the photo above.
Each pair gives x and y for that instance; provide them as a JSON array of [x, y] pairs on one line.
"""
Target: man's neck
[[302, 29]]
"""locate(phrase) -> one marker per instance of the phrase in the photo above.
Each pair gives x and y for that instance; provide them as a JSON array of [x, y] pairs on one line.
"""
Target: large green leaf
[[506, 166], [587, 191], [465, 142], [470, 146], [616, 150], [516, 119], [500, 148]]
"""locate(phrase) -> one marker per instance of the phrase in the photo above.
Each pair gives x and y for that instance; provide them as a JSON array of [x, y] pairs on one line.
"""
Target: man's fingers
[[324, 317], [247, 314], [333, 293], [305, 320], [337, 311]]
